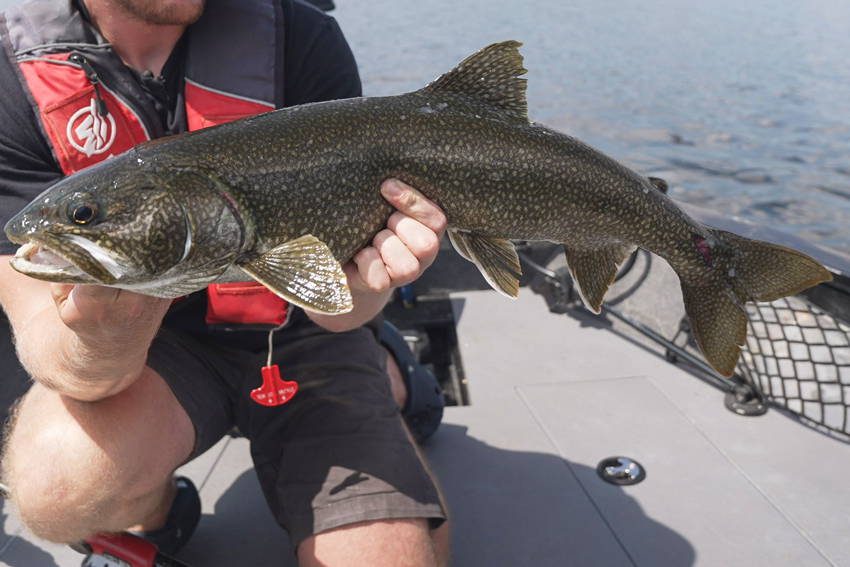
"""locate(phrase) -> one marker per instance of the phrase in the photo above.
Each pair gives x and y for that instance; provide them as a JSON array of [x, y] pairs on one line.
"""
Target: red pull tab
[[274, 391]]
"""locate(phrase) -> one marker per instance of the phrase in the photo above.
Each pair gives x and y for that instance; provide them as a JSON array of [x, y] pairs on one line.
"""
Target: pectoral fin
[[305, 273], [594, 270], [495, 257]]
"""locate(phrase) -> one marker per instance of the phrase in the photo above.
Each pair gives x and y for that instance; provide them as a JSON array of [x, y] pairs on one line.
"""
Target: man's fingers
[[408, 245], [401, 264], [414, 204], [86, 308], [60, 292], [420, 240], [96, 294], [371, 269], [387, 263]]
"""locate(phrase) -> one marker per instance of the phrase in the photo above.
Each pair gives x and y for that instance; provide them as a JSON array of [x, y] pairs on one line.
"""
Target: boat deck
[[551, 396]]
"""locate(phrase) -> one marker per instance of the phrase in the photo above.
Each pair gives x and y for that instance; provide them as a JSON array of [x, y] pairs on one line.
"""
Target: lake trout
[[286, 197]]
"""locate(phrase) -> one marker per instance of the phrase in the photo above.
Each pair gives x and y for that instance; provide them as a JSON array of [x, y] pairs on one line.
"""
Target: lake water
[[742, 105]]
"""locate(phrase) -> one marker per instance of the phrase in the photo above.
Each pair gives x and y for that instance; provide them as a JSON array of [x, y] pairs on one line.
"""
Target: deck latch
[[620, 470]]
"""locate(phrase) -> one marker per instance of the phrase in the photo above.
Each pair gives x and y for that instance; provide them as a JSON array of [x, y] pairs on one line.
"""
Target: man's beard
[[159, 13]]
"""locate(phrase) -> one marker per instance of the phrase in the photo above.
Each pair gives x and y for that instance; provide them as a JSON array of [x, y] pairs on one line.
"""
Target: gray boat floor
[[551, 396]]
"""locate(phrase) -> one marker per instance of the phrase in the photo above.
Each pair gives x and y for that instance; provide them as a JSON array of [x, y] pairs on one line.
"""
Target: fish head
[[110, 225]]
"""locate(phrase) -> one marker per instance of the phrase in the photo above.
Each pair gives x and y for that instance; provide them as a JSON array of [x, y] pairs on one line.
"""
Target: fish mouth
[[63, 261]]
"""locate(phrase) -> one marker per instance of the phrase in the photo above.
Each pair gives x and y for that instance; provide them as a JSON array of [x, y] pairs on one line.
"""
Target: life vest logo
[[89, 132]]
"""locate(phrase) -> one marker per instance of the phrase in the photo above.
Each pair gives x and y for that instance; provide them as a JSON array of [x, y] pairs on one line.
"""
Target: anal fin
[[305, 273], [594, 270], [495, 258]]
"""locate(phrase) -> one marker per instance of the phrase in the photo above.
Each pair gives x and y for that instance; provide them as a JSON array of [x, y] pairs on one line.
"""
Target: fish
[[285, 198]]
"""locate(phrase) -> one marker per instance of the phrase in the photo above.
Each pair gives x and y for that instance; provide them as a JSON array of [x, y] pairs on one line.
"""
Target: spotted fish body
[[285, 197]]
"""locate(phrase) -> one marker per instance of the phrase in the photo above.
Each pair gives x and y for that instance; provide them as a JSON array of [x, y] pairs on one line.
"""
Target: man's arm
[[87, 342], [398, 255]]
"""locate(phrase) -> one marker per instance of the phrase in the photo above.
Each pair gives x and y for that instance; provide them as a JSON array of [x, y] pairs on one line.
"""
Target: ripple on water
[[753, 176]]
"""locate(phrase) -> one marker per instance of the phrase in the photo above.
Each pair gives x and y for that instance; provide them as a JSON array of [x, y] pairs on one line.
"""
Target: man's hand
[[402, 251], [108, 315], [85, 341], [114, 325], [99, 343], [398, 255]]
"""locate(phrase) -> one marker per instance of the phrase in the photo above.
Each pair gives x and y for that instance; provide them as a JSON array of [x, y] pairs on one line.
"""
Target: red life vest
[[91, 108]]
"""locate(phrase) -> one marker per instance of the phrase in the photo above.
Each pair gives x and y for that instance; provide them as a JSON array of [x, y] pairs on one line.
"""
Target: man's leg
[[346, 473], [77, 468], [405, 542], [402, 542]]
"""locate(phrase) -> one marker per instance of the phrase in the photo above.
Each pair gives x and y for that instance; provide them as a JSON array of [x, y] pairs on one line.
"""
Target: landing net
[[798, 357]]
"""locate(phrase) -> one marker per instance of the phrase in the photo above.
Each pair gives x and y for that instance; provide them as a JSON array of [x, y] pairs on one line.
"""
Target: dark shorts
[[337, 453]]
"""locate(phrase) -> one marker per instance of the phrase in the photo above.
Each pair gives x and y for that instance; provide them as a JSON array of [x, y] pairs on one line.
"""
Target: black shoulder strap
[[249, 68]]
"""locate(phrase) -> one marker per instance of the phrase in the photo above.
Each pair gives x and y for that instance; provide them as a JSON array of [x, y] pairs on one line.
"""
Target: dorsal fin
[[491, 77]]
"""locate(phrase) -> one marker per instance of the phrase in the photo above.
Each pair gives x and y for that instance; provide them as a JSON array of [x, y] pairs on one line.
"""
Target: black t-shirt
[[318, 66]]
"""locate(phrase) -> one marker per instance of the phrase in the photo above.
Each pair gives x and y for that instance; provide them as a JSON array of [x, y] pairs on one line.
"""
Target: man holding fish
[[127, 387], [298, 200]]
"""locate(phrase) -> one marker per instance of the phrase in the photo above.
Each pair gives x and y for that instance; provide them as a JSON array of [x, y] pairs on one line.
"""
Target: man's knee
[[403, 542], [75, 468], [51, 471]]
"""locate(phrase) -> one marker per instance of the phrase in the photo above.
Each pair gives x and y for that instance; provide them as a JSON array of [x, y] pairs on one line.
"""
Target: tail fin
[[741, 270]]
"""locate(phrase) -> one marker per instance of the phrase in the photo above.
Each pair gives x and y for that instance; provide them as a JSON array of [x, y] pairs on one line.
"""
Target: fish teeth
[[26, 250], [42, 255]]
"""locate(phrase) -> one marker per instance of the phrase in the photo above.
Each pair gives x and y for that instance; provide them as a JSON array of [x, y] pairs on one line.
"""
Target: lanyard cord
[[269, 361]]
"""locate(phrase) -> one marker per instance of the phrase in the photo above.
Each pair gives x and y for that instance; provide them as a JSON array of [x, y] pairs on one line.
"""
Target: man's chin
[[167, 13]]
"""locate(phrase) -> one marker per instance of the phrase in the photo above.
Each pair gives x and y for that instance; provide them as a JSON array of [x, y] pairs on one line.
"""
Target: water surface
[[743, 106]]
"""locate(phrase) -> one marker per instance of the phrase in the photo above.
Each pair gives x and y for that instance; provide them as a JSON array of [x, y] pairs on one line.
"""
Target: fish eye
[[83, 211]]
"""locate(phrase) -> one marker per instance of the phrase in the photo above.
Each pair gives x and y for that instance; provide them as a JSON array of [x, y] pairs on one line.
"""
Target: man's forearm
[[86, 342], [366, 307], [82, 367]]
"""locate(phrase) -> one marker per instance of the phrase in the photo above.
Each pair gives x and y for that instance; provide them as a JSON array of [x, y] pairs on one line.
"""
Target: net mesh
[[798, 357]]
